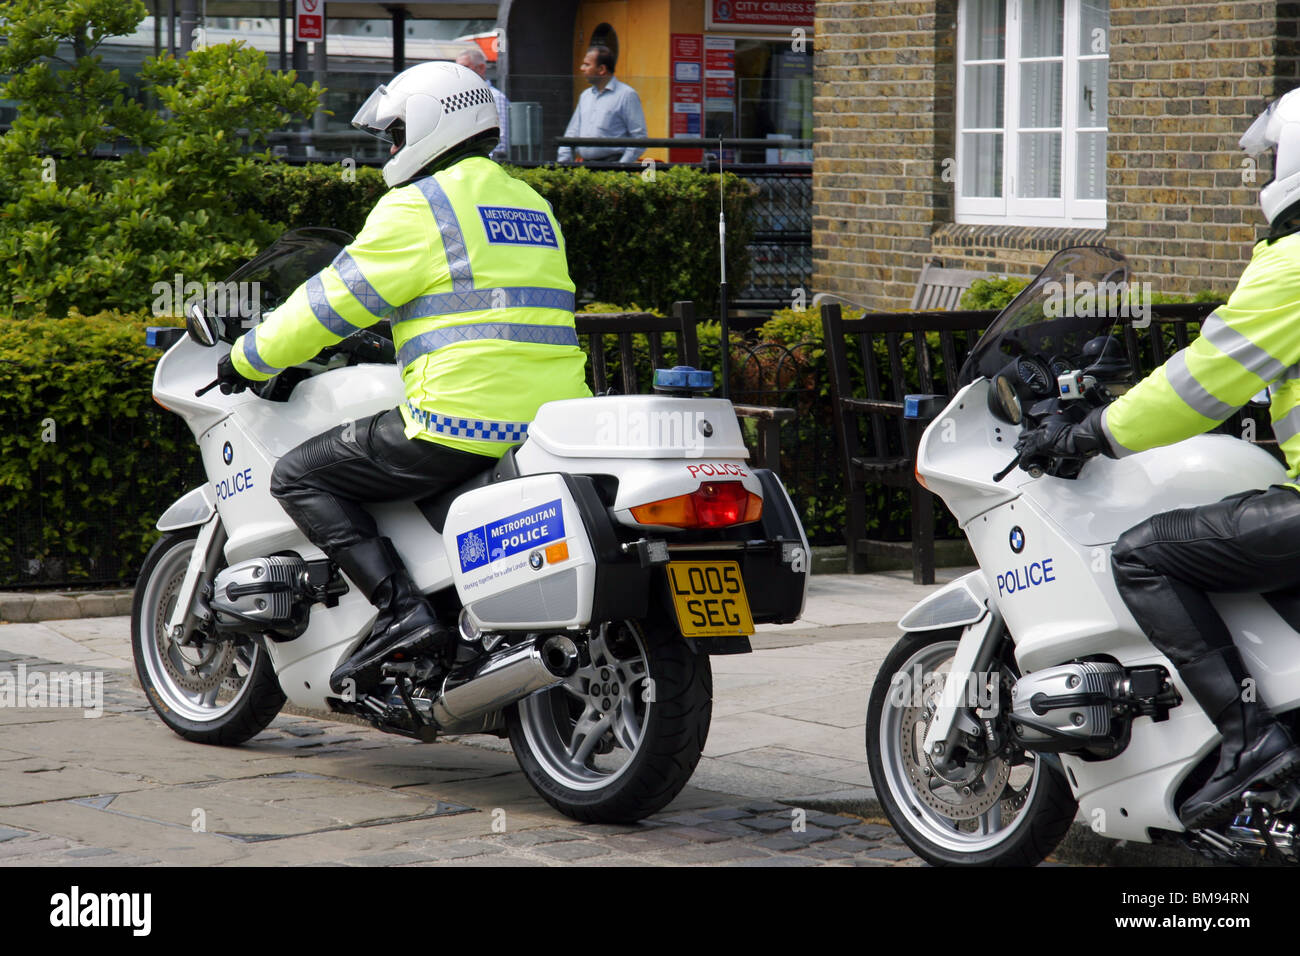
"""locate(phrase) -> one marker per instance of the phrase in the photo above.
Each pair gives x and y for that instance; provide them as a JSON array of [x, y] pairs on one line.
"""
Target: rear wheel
[[617, 740], [996, 810], [213, 692]]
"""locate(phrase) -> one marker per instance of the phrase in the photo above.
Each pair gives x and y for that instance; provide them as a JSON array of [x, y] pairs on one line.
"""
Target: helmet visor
[[375, 116], [1256, 139]]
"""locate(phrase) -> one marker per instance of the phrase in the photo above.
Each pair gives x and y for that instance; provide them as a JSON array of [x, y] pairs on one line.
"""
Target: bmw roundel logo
[[227, 453], [535, 560], [1017, 539]]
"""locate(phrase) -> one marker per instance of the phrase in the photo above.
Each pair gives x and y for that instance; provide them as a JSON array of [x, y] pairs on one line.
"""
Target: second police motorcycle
[[1024, 694]]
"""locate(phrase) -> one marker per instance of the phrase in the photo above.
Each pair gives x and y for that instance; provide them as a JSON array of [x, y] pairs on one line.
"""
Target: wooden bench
[[886, 454], [611, 334], [878, 445]]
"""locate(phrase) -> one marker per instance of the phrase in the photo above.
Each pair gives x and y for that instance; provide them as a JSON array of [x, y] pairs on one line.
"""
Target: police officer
[[468, 265], [1249, 542]]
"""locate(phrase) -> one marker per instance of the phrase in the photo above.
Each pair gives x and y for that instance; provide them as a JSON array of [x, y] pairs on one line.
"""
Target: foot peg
[[418, 671]]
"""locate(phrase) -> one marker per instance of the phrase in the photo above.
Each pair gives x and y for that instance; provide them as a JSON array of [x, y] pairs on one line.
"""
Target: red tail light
[[715, 504]]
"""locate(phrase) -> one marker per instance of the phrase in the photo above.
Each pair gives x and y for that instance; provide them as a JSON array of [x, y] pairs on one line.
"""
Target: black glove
[[1057, 438], [229, 377]]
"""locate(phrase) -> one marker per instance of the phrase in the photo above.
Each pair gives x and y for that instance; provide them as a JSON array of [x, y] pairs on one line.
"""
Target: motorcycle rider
[[1248, 542], [468, 265]]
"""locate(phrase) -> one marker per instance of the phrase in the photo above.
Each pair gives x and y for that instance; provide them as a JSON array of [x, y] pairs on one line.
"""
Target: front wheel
[[617, 740], [1008, 809], [213, 692]]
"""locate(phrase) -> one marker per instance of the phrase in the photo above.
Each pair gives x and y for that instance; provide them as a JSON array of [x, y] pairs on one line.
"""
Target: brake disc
[[959, 793], [195, 669], [203, 668]]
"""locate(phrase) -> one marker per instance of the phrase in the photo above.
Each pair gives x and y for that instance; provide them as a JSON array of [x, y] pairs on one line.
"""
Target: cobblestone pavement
[[123, 790]]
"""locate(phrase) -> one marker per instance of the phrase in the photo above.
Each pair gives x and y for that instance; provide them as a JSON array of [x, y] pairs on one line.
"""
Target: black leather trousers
[[1165, 565], [323, 481]]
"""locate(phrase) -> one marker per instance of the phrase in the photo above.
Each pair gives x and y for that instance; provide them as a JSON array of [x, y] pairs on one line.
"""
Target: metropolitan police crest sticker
[[473, 549]]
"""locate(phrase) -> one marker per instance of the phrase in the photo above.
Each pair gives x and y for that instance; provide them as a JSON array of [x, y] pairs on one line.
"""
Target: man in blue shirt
[[608, 108]]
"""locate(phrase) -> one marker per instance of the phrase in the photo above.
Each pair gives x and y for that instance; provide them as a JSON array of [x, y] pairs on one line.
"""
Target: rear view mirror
[[204, 329]]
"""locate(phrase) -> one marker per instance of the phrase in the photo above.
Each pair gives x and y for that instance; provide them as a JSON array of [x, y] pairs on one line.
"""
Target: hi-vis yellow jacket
[[469, 267], [1251, 342]]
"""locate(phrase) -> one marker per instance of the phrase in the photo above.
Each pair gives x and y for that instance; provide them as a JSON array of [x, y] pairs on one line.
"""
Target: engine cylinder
[[261, 594]]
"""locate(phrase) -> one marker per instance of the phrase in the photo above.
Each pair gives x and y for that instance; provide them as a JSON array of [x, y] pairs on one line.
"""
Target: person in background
[[476, 61], [606, 108]]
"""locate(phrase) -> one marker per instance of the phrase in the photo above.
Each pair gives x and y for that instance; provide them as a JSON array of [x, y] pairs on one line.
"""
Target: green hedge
[[638, 237], [87, 460]]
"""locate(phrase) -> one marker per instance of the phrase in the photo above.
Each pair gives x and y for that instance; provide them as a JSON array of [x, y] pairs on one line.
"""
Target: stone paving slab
[[121, 790], [787, 736]]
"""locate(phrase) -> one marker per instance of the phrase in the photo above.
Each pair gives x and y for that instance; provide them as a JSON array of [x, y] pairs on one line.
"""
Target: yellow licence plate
[[709, 598]]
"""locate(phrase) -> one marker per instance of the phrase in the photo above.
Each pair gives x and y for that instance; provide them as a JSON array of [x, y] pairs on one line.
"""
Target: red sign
[[720, 88], [761, 14], [715, 59], [686, 94], [687, 46], [309, 20]]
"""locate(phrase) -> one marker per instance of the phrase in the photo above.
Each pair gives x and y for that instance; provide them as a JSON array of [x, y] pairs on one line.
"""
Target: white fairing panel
[[1110, 496], [320, 403], [1044, 548], [520, 556]]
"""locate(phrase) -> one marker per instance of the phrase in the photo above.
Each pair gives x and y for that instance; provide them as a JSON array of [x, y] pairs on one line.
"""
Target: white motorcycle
[[1025, 692], [591, 571]]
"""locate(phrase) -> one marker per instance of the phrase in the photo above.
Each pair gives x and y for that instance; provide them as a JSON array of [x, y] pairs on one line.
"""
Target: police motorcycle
[[592, 571], [1024, 693]]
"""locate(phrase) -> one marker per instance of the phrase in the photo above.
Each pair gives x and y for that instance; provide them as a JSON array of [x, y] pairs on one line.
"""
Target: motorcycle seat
[[435, 507]]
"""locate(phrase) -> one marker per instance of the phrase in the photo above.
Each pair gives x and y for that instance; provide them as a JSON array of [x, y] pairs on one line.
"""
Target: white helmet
[[426, 110], [1278, 128]]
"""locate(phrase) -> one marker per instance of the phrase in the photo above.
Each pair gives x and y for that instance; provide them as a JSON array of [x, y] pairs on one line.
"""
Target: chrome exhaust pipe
[[506, 677]]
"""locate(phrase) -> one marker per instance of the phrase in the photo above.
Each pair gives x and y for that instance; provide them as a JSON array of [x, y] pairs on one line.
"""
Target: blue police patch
[[517, 227], [518, 532]]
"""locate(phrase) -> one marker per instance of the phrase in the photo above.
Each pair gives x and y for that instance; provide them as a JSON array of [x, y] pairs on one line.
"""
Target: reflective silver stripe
[[324, 312], [1291, 374], [517, 297], [470, 428], [254, 357], [1288, 426], [453, 240], [428, 342], [1193, 392], [1241, 349], [360, 286], [1119, 450]]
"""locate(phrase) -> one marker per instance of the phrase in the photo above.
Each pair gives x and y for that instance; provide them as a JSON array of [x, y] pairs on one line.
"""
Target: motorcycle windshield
[[1080, 295], [284, 265]]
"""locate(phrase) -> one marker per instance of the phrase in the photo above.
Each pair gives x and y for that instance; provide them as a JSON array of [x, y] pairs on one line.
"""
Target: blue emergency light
[[682, 378]]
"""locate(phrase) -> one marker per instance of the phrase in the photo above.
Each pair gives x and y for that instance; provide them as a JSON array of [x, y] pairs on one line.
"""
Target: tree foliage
[[78, 230]]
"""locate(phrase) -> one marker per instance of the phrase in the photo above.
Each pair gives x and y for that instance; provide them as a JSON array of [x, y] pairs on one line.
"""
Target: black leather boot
[[406, 625], [1256, 749]]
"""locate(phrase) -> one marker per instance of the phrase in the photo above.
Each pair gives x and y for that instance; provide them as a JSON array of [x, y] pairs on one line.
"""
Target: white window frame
[[1010, 209]]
